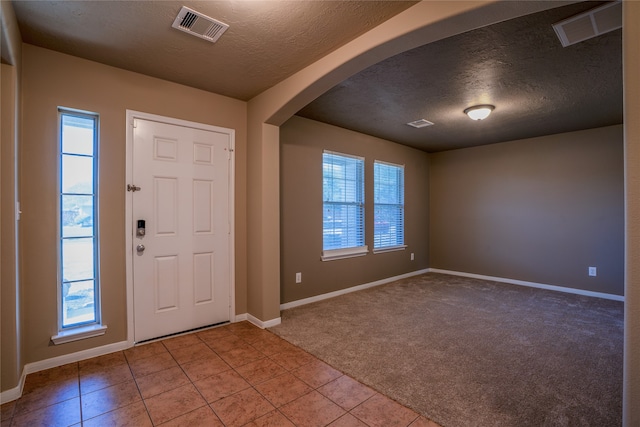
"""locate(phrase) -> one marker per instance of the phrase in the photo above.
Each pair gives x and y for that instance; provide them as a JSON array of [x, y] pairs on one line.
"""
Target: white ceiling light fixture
[[199, 25], [479, 112]]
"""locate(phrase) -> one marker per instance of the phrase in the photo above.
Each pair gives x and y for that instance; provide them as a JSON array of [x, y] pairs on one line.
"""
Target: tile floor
[[233, 375]]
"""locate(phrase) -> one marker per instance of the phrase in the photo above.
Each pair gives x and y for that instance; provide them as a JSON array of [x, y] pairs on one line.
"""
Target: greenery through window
[[343, 206], [388, 191], [78, 213]]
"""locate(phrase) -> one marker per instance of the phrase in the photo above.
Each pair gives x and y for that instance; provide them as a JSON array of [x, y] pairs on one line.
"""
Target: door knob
[[140, 248]]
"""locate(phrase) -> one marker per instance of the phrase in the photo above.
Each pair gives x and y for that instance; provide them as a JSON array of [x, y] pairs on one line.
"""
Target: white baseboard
[[263, 324], [316, 298], [259, 323], [29, 368], [13, 393], [240, 318], [531, 284]]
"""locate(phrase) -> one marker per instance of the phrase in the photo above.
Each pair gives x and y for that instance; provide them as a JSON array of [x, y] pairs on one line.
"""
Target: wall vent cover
[[199, 25], [589, 24], [420, 123]]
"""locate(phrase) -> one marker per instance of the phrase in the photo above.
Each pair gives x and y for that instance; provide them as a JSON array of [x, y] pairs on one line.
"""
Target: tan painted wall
[[425, 22], [302, 143], [631, 55], [10, 364], [541, 210], [50, 80], [10, 356]]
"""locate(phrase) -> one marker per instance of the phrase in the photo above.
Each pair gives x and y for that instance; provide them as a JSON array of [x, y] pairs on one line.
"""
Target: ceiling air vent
[[589, 24], [420, 123], [199, 25]]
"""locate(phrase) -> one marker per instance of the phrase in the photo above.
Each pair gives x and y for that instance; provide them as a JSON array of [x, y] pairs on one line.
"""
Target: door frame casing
[[131, 116]]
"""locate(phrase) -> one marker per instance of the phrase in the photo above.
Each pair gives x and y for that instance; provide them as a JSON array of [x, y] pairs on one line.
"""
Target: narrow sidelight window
[[388, 191], [78, 245], [343, 203]]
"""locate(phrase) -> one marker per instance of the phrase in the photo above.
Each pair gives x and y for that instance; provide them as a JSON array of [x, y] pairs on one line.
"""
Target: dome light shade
[[479, 112]]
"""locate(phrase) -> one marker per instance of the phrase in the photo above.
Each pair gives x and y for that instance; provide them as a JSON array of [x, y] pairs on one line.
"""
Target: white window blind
[[343, 201], [388, 190]]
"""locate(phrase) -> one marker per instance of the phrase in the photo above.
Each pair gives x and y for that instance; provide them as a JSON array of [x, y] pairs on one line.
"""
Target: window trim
[[95, 327], [354, 251], [390, 249], [403, 245], [333, 254]]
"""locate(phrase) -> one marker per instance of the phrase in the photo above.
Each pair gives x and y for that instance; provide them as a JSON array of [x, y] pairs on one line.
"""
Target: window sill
[[79, 334], [389, 249], [334, 254]]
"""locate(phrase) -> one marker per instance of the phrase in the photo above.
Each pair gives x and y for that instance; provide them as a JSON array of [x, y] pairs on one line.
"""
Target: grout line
[[243, 340]]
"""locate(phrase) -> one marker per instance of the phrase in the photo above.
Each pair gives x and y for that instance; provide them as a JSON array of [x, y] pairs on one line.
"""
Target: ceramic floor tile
[[221, 385], [241, 326], [173, 403], [102, 362], [50, 376], [61, 414], [292, 359], [241, 355], [170, 382], [203, 416], [260, 371], [133, 415], [6, 410], [316, 373], [312, 410], [205, 367], [144, 351], [347, 420], [190, 353], [181, 341], [96, 378], [46, 395], [252, 335], [241, 408], [151, 364], [272, 345], [346, 392], [380, 411], [161, 381], [272, 419], [283, 389], [108, 399], [213, 334], [225, 344], [423, 422]]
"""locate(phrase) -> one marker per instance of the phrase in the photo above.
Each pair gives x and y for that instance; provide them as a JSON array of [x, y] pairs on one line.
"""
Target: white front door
[[182, 264]]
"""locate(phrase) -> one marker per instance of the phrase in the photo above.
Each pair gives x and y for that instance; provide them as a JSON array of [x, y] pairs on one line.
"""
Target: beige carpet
[[466, 352]]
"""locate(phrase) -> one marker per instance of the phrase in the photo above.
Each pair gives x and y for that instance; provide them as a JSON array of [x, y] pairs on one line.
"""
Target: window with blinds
[[343, 206], [388, 192]]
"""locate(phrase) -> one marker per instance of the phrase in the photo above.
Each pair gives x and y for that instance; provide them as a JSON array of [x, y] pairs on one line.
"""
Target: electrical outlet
[[298, 277], [592, 271], [412, 256]]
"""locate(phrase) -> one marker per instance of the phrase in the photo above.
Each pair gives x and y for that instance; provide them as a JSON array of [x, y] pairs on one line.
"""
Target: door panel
[[182, 275]]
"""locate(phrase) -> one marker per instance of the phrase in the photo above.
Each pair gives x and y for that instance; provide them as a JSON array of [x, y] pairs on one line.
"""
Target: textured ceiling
[[267, 40], [537, 86]]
